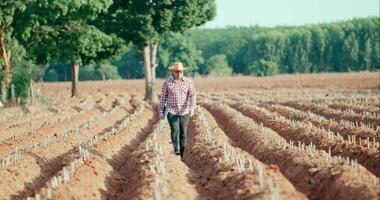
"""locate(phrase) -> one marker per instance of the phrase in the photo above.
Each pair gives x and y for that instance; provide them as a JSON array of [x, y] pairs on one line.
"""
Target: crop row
[[345, 128], [335, 114], [11, 158], [217, 161], [36, 123], [81, 155], [299, 131], [314, 172]]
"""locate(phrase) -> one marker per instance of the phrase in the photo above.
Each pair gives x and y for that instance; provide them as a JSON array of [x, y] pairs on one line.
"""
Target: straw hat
[[177, 66]]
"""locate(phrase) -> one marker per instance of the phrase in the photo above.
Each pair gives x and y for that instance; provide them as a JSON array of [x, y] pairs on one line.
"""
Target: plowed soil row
[[37, 166], [142, 182], [18, 122], [69, 123], [119, 167], [321, 122], [219, 178], [103, 176], [368, 157], [355, 107], [316, 176], [58, 116], [12, 114], [330, 113]]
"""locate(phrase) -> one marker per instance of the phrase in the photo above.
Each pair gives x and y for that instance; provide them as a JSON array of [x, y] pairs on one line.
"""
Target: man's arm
[[163, 98], [192, 98]]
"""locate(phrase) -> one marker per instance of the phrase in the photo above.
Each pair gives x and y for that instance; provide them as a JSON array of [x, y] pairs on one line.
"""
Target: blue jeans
[[178, 127]]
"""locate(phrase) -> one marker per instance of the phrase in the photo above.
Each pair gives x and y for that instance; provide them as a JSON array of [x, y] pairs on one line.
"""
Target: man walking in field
[[177, 103]]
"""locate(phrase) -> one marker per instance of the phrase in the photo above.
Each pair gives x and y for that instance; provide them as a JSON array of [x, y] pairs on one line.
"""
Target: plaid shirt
[[178, 96]]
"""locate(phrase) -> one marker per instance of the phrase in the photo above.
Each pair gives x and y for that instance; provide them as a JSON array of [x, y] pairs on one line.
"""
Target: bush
[[21, 81], [1, 76], [263, 68], [217, 65], [99, 71], [51, 75], [107, 71]]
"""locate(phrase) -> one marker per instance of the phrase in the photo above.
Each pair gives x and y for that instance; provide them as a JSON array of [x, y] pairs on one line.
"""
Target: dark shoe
[[177, 153]]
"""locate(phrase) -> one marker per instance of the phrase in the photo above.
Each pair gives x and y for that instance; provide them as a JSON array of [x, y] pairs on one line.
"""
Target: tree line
[[351, 45], [38, 34], [50, 39]]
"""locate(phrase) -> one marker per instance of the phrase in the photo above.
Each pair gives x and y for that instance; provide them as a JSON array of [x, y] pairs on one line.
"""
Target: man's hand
[[161, 116], [191, 112]]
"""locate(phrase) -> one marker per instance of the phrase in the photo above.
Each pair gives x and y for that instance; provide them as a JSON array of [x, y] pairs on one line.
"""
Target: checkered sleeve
[[164, 97], [192, 95]]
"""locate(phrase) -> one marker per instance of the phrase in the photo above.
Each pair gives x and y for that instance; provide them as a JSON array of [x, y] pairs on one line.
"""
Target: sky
[[270, 13]]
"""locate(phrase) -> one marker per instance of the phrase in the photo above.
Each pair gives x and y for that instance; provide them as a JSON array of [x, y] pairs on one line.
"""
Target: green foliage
[[1, 76], [145, 22], [178, 48], [57, 72], [10, 12], [21, 81], [107, 71], [130, 64], [2, 98], [18, 59], [38, 71], [51, 75], [90, 31], [99, 71], [263, 68], [228, 41], [217, 65], [61, 31], [340, 46]]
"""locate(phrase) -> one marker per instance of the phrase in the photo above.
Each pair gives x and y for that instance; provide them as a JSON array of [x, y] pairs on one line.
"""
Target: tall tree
[[350, 52], [63, 32], [317, 52], [144, 22], [9, 12], [176, 47]]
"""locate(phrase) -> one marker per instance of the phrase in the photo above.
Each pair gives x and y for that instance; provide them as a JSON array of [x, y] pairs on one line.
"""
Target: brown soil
[[334, 114], [221, 179], [368, 157], [42, 163], [325, 123], [313, 175], [120, 166]]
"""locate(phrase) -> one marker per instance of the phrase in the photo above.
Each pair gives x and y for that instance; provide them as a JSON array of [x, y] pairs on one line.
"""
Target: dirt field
[[284, 137]]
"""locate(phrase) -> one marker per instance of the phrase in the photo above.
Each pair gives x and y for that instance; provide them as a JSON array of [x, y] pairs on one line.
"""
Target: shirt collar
[[182, 79]]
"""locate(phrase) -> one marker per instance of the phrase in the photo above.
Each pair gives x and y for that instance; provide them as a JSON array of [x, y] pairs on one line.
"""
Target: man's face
[[178, 74]]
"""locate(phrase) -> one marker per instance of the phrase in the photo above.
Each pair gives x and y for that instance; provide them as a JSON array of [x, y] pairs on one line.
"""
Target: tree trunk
[[31, 92], [149, 53], [153, 53], [74, 79], [6, 55], [3, 93], [6, 68], [146, 59], [153, 65]]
